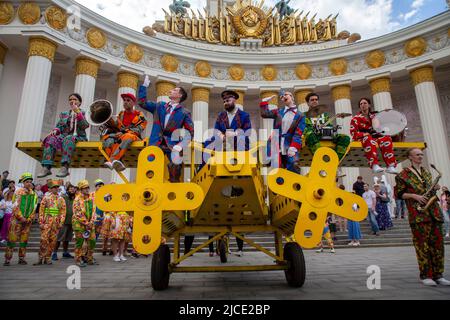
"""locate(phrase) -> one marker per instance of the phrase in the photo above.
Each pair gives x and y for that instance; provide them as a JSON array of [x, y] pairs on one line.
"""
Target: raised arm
[[266, 113], [149, 106]]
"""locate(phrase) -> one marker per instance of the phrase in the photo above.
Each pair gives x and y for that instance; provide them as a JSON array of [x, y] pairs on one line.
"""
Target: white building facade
[[43, 60]]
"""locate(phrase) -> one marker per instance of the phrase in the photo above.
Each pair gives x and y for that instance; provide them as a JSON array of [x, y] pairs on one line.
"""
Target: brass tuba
[[431, 193], [99, 113]]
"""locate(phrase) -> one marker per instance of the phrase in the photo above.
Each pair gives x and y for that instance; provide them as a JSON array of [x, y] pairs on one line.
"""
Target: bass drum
[[391, 123]]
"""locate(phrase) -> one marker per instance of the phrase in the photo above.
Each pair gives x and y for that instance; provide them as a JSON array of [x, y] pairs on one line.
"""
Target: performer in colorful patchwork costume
[[52, 215], [317, 117], [25, 202], [168, 118], [361, 129], [289, 124], [83, 224], [119, 134], [426, 225], [70, 129]]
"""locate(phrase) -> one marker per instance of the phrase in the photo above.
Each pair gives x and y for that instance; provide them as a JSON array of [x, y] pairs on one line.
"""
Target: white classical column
[[127, 83], [431, 119], [86, 70], [3, 51], [200, 113], [300, 98], [342, 102], [33, 102]]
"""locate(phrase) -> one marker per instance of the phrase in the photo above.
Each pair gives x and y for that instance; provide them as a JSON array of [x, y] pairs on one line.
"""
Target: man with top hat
[[25, 202], [169, 118], [233, 124], [83, 224], [118, 134], [289, 125], [52, 214]]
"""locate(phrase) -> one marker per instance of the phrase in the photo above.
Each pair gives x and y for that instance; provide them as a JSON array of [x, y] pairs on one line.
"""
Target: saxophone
[[431, 193]]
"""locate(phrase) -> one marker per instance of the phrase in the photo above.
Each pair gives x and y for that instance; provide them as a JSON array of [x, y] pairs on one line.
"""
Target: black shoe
[[39, 263], [104, 253], [23, 262], [7, 264], [111, 253]]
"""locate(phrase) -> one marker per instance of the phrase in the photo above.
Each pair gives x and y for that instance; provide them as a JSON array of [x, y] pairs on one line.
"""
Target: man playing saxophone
[[416, 186], [119, 134]]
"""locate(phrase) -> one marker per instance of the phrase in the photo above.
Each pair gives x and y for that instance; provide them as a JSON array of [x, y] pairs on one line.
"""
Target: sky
[[370, 18]]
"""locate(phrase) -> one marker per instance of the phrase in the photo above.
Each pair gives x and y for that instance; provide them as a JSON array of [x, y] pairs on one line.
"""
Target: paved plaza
[[340, 276]]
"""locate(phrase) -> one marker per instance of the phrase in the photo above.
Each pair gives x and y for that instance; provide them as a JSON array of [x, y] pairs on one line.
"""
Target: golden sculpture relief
[[341, 92], [236, 72], [241, 99], [134, 53], [203, 69], [375, 59], [56, 17], [415, 47], [29, 13], [40, 46], [268, 94], [303, 71], [421, 75], [87, 66], [96, 38], [338, 67], [163, 88], [3, 51], [269, 73], [127, 80], [245, 19], [300, 96], [380, 85], [200, 94], [7, 12], [169, 63]]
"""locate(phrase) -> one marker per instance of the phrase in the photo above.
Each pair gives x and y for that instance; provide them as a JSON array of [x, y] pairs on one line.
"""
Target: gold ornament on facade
[[203, 69], [303, 71], [241, 99], [56, 17], [169, 63], [3, 51], [415, 47], [87, 66], [300, 96], [134, 53], [42, 47], [236, 72], [127, 80], [249, 21], [7, 12], [96, 38], [200, 94], [29, 13], [341, 92], [338, 67], [375, 59], [380, 85], [268, 94], [163, 88], [269, 73], [421, 75]]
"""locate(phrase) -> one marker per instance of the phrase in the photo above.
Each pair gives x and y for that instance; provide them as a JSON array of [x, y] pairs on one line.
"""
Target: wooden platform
[[88, 154]]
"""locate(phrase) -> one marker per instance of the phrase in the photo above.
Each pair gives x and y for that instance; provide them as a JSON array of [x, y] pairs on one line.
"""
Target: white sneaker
[[319, 251], [392, 170], [447, 235], [122, 258], [239, 253], [108, 165], [332, 251], [443, 282], [116, 259], [377, 169], [351, 243], [357, 244], [429, 283]]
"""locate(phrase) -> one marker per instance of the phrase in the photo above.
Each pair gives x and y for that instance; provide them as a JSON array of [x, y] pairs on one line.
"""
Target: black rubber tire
[[223, 251], [160, 274], [296, 274]]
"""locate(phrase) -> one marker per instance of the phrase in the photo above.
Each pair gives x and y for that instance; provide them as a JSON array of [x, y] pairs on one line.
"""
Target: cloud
[[415, 6], [370, 18]]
